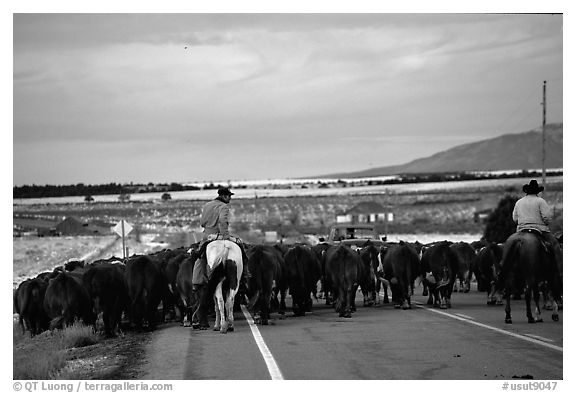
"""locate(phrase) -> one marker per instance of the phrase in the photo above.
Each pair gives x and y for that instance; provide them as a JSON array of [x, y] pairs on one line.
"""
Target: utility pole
[[544, 137], [255, 209]]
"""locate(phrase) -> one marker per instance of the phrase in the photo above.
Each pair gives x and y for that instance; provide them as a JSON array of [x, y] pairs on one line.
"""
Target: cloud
[[298, 82]]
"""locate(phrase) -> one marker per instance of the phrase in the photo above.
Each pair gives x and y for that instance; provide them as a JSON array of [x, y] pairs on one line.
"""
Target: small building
[[33, 226], [71, 226], [365, 212]]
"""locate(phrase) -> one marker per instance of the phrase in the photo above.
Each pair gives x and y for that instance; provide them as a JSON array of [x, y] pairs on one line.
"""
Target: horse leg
[[536, 295], [528, 297], [230, 312], [218, 307], [508, 309]]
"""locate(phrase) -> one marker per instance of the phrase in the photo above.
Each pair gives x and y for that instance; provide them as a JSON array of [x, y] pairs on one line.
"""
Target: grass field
[[419, 210]]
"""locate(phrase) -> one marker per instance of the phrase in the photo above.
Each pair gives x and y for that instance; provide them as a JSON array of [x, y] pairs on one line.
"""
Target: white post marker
[[122, 229]]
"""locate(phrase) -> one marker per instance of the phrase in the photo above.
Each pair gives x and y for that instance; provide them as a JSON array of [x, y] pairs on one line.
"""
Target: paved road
[[469, 341]]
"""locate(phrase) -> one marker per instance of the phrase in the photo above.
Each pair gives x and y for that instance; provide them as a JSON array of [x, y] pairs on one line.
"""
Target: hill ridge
[[504, 152]]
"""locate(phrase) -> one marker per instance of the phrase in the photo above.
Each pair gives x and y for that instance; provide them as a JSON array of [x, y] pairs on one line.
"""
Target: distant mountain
[[510, 151]]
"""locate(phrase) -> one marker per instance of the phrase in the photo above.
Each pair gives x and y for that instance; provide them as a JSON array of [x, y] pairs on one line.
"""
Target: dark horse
[[526, 260]]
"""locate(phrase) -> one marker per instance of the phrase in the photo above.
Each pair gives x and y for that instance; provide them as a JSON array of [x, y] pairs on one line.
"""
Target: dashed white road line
[[273, 368], [529, 338]]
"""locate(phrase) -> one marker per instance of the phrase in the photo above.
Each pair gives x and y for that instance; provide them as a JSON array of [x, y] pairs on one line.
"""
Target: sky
[[182, 97]]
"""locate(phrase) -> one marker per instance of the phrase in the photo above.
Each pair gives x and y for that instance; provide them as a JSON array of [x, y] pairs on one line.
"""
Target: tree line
[[81, 189]]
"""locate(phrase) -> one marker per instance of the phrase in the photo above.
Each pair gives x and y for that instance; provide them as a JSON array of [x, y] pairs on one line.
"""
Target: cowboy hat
[[532, 187], [224, 191]]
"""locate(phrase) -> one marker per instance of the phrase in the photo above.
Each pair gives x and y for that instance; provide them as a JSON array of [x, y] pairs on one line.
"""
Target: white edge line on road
[[465, 316], [540, 338], [273, 368], [522, 337]]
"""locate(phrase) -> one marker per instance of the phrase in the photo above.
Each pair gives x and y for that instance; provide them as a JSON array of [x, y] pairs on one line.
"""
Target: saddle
[[211, 238], [534, 231], [547, 246]]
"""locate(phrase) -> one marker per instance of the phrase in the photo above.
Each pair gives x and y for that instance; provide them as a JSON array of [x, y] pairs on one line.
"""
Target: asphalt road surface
[[469, 341]]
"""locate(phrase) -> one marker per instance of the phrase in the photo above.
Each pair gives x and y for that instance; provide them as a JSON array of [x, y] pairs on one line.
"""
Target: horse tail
[[509, 260], [230, 277], [222, 255]]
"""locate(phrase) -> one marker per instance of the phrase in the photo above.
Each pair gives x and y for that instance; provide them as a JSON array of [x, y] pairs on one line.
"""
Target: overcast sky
[[102, 98]]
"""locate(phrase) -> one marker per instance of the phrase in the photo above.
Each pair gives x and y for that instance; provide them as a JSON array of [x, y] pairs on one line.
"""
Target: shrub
[[79, 335], [38, 357], [499, 225], [44, 355]]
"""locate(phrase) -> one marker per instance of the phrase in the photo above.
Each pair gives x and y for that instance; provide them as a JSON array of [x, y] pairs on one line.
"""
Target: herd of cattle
[[143, 290]]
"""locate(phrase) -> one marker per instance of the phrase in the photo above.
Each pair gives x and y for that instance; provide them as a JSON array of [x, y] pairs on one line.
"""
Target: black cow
[[466, 254], [170, 261], [29, 304], [106, 284], [281, 285], [401, 268], [487, 271], [367, 279], [439, 265], [71, 266], [266, 273], [190, 300], [320, 251], [146, 288], [343, 268], [303, 272], [67, 299]]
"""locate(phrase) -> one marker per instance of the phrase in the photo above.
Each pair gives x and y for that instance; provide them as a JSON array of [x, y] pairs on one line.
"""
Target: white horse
[[225, 258]]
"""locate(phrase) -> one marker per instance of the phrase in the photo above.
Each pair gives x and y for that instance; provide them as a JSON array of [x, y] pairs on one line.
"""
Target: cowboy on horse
[[532, 214], [215, 221]]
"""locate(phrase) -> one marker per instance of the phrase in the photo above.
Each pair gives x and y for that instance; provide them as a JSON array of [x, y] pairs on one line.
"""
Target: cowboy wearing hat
[[533, 213], [215, 221]]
